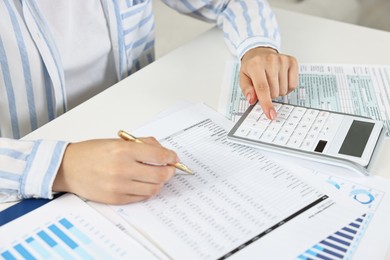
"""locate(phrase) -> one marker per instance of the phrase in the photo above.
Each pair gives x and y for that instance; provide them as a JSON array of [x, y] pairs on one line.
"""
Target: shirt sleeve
[[28, 168], [246, 24]]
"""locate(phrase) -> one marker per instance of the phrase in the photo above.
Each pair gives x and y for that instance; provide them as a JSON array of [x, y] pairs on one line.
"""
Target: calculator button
[[315, 128], [250, 123], [257, 109], [291, 124], [277, 106], [267, 137], [327, 130], [295, 117], [281, 139], [301, 133], [254, 134], [312, 135], [299, 111], [282, 115], [261, 127], [295, 142], [286, 131], [304, 125], [320, 146], [275, 125], [311, 113], [308, 145], [253, 116], [264, 120], [278, 121], [323, 115], [273, 129], [286, 108], [319, 122]]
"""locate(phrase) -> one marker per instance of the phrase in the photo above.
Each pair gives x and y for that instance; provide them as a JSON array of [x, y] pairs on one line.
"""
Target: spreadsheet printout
[[238, 199]]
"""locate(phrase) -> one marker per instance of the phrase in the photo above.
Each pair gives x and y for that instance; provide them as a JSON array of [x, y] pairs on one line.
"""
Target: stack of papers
[[240, 203]]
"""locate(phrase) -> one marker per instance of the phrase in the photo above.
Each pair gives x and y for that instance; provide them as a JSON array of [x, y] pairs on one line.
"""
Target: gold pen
[[128, 137]]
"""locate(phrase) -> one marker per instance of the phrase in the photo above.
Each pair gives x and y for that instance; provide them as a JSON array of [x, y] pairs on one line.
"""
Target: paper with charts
[[67, 228], [356, 89], [239, 203]]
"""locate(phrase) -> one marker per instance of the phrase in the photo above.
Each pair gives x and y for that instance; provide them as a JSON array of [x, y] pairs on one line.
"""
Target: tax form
[[355, 89], [238, 204]]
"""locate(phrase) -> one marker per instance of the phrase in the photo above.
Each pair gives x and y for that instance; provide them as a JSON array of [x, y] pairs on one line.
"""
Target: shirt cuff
[[254, 42], [41, 169]]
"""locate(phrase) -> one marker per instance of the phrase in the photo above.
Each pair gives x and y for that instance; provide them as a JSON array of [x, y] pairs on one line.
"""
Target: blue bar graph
[[38, 248], [83, 238], [338, 245], [60, 250], [76, 232], [23, 252], [59, 239], [7, 255], [46, 238], [69, 242]]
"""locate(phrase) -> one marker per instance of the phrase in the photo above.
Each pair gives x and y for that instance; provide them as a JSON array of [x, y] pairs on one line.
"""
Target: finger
[[151, 173], [293, 77], [137, 188], [272, 73], [150, 140], [132, 199], [247, 88], [151, 153], [264, 95], [283, 81]]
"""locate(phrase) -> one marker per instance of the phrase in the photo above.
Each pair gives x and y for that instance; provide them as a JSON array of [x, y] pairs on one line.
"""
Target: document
[[354, 89], [373, 194], [372, 239], [242, 203], [239, 204], [67, 228], [359, 89]]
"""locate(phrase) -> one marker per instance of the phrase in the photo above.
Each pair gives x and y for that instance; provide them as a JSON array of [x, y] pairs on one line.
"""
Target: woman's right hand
[[112, 170]]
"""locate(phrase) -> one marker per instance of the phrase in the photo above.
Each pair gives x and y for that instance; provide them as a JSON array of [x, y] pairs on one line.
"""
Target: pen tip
[[184, 168]]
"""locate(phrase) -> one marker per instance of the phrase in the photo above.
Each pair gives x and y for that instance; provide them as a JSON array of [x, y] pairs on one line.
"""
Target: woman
[[54, 54]]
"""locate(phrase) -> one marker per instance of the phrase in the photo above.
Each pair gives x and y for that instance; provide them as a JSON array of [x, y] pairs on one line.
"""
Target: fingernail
[[248, 97], [177, 159], [272, 114]]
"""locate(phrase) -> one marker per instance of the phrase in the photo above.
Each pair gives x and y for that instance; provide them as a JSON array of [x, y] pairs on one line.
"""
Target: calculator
[[320, 135]]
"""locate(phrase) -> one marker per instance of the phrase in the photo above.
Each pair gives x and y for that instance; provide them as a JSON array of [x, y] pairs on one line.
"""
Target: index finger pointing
[[263, 93]]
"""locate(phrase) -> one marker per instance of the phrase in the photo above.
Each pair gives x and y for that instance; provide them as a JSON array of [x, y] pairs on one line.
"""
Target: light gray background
[[174, 29]]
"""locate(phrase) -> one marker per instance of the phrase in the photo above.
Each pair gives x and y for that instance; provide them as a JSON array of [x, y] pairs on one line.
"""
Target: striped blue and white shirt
[[32, 76]]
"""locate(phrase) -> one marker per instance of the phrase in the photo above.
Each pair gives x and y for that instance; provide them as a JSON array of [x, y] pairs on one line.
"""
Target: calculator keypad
[[295, 127]]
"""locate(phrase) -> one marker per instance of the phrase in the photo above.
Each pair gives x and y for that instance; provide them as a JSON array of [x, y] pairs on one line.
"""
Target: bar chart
[[62, 239], [339, 245], [80, 233], [344, 243]]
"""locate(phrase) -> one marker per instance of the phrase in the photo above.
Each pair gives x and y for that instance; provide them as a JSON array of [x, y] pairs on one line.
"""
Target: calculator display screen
[[356, 139]]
